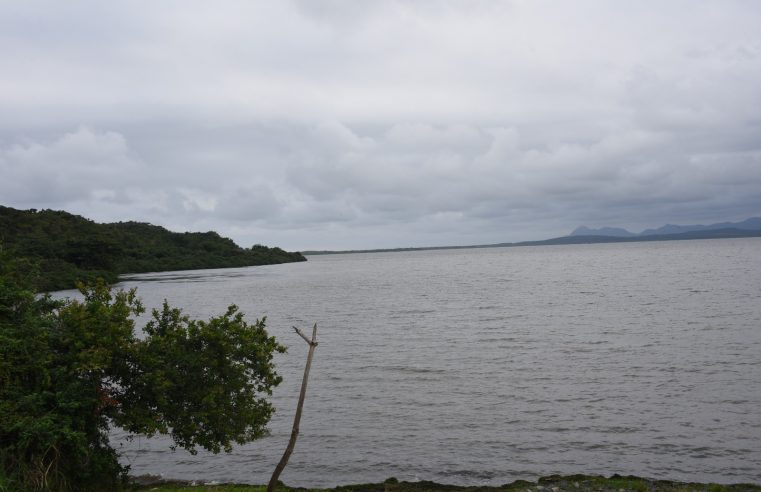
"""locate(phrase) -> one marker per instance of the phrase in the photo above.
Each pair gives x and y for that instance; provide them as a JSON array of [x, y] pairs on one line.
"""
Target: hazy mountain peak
[[752, 224]]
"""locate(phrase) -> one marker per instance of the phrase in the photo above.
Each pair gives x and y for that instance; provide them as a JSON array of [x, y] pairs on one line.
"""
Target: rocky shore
[[553, 483]]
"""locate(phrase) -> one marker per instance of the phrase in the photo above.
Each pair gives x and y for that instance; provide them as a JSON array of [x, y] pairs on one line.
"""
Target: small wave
[[555, 429], [416, 311], [477, 474], [413, 370]]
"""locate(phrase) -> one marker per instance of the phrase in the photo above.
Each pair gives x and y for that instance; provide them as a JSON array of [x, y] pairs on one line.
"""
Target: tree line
[[69, 248]]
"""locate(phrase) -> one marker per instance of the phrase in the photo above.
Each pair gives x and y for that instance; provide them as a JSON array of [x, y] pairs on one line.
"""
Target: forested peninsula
[[70, 248]]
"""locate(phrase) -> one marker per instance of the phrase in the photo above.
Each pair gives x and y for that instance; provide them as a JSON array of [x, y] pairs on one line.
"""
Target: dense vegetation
[[70, 248], [70, 369]]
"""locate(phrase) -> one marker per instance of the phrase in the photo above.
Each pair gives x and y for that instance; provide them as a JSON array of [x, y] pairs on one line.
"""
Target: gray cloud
[[80, 165], [325, 125]]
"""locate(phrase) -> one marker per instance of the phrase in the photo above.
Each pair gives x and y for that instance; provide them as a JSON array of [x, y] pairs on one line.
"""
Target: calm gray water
[[483, 366]]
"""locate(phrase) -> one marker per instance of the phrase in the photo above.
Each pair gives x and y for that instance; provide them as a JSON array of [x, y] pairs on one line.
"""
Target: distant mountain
[[580, 239], [682, 236], [68, 248], [752, 224], [603, 231]]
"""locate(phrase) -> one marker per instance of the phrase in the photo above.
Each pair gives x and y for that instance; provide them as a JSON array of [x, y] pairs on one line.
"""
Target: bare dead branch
[[301, 334], [297, 418]]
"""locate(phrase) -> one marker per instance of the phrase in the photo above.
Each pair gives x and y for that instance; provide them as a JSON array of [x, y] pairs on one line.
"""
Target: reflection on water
[[189, 276]]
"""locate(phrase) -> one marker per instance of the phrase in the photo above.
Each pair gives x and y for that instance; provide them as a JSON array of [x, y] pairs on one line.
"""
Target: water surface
[[483, 366]]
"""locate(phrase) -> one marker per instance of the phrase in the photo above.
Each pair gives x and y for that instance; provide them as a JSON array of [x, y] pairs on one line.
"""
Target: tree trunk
[[297, 418]]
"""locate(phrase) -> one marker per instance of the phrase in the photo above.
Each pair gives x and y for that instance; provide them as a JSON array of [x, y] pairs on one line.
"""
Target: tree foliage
[[70, 248], [70, 369]]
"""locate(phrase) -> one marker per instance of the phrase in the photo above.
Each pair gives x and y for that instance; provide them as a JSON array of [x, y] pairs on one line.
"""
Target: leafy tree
[[70, 248], [70, 369]]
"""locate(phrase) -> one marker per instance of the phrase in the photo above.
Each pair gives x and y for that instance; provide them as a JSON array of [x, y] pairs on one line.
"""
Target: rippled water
[[483, 366]]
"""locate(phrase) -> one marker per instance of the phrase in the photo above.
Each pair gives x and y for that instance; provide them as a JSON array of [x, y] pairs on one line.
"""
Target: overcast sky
[[357, 124]]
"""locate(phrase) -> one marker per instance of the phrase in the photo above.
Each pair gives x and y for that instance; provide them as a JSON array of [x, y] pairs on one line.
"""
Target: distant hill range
[[68, 248], [584, 235], [752, 224]]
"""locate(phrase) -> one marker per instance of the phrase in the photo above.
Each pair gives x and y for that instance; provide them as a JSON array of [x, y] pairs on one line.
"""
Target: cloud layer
[[325, 125]]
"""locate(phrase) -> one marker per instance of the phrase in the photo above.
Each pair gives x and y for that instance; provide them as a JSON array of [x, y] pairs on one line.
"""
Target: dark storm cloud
[[322, 124]]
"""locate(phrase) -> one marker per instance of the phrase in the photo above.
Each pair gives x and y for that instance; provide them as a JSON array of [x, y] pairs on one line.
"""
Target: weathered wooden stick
[[297, 418], [302, 335]]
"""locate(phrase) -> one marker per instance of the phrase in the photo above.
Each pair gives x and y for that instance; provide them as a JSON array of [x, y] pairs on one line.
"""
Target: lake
[[483, 366]]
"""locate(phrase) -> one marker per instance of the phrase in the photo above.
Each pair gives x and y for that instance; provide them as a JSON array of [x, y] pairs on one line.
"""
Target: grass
[[554, 483]]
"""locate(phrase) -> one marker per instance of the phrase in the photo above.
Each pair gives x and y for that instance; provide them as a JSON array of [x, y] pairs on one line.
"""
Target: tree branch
[[303, 336], [297, 418]]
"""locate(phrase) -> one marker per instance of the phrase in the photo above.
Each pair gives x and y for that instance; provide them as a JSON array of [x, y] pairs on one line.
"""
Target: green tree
[[70, 248], [70, 369]]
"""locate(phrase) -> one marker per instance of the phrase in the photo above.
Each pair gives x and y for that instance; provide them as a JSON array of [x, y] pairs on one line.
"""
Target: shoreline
[[565, 241], [550, 483]]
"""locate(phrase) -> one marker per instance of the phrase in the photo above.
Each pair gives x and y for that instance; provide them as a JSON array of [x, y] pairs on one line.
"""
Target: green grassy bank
[[554, 483]]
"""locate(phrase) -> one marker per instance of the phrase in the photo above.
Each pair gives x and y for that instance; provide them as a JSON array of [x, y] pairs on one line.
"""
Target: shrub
[[70, 369]]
